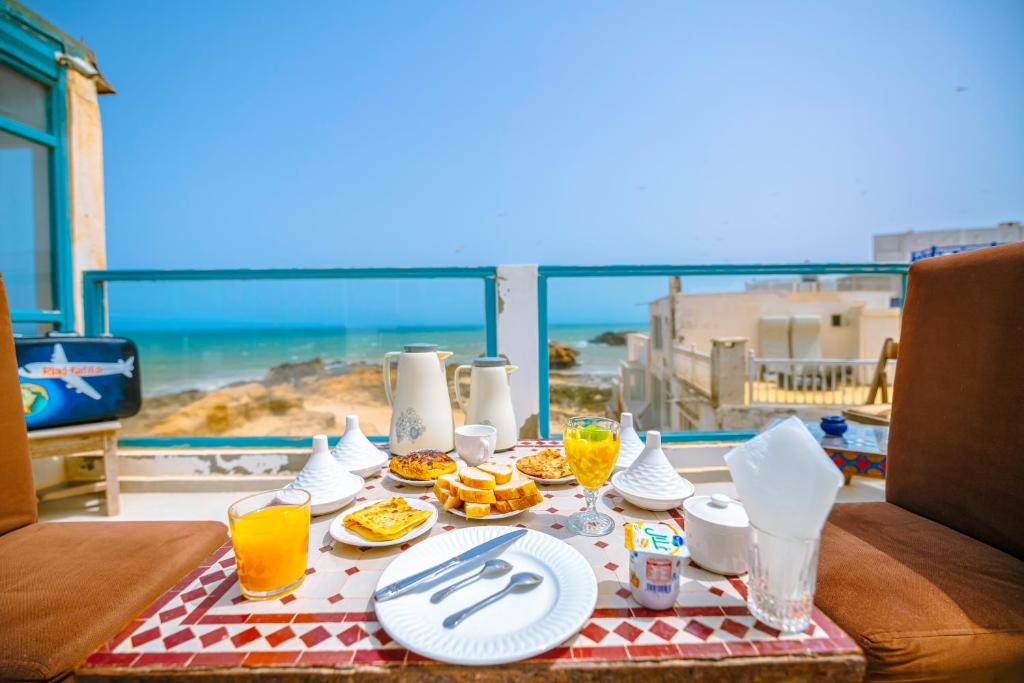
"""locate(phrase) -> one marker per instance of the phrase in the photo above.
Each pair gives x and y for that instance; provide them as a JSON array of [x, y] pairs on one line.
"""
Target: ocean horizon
[[204, 358]]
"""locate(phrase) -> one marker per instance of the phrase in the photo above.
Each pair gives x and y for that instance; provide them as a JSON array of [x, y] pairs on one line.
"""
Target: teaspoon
[[493, 567], [521, 581]]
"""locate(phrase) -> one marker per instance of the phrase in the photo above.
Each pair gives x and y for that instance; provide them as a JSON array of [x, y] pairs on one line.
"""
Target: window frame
[[27, 49]]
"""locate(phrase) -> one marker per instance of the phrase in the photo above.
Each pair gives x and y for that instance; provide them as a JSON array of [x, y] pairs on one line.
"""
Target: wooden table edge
[[830, 668]]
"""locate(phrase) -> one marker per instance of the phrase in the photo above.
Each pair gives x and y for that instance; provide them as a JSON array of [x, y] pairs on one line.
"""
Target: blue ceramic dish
[[834, 425]]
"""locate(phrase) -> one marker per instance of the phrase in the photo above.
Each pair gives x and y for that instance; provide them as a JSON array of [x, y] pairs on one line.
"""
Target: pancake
[[386, 520], [425, 465], [547, 464]]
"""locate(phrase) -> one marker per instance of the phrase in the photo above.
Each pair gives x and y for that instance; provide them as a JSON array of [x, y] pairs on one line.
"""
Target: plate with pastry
[[487, 491], [548, 466], [421, 468], [379, 523]]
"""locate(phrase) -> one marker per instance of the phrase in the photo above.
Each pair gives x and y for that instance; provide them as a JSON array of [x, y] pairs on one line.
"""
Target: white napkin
[[787, 482]]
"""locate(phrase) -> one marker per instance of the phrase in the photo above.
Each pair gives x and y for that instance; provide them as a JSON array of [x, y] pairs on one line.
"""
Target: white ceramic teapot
[[490, 398], [421, 409]]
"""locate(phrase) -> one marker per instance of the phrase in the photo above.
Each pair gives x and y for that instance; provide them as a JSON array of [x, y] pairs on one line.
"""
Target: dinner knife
[[410, 582]]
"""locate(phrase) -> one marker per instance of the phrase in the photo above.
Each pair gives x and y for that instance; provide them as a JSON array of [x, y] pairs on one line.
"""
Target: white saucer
[[564, 480], [409, 482], [341, 534]]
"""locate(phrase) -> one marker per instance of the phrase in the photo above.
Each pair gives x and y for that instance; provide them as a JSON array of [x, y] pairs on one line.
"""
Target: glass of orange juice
[[591, 447], [270, 534]]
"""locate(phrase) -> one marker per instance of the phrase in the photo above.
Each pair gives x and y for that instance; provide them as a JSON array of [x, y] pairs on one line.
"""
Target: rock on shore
[[612, 338], [561, 356]]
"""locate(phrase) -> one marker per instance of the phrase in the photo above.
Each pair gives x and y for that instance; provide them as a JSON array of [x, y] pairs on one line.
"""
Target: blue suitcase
[[73, 380]]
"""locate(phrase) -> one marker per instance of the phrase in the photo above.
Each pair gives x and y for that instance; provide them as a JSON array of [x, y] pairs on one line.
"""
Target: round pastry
[[546, 464], [422, 465]]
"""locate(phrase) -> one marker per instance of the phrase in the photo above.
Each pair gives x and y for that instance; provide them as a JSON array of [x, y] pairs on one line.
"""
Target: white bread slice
[[526, 501], [445, 480], [472, 495], [452, 502], [477, 478], [442, 494], [515, 489], [502, 506], [477, 509], [501, 473]]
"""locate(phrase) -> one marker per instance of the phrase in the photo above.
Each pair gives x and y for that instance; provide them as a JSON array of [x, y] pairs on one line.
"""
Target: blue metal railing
[[96, 322], [546, 272]]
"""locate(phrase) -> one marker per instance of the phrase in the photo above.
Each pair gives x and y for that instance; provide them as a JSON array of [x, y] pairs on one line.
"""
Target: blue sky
[[460, 133]]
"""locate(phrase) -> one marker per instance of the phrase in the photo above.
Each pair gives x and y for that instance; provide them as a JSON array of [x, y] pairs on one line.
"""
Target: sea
[[205, 359]]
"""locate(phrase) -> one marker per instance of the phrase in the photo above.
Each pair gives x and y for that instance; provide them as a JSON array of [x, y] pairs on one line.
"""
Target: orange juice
[[591, 452], [271, 546]]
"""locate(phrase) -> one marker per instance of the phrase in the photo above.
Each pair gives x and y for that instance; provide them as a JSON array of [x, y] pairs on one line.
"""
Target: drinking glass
[[781, 579], [591, 447], [270, 535]]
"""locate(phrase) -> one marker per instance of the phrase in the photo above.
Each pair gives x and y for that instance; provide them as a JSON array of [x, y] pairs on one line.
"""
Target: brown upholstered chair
[[65, 588], [931, 582]]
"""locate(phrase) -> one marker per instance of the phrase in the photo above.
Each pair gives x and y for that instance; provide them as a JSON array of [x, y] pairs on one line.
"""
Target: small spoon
[[491, 568], [521, 581]]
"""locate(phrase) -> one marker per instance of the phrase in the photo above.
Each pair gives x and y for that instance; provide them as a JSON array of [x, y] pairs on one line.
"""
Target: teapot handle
[[458, 391], [387, 375]]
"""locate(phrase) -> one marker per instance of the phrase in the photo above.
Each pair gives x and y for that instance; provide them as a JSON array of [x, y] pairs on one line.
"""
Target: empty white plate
[[519, 626]]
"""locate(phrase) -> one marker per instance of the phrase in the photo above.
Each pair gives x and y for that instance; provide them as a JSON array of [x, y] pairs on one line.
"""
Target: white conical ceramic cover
[[325, 478], [630, 445], [354, 451], [651, 475]]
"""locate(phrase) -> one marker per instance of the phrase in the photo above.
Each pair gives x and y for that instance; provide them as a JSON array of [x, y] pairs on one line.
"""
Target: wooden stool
[[99, 438]]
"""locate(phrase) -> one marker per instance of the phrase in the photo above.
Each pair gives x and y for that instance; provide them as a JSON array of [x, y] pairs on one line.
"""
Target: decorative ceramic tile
[[329, 621]]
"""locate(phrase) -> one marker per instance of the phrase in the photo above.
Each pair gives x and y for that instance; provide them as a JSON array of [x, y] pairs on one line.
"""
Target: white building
[[912, 245]]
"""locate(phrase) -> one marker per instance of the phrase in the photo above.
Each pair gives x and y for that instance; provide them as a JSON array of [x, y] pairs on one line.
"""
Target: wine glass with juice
[[591, 447]]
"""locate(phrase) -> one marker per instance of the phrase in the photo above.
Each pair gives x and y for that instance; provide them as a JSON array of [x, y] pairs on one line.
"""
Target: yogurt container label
[[656, 552]]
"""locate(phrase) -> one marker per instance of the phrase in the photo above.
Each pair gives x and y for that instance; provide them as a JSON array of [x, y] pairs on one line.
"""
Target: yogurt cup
[[657, 551]]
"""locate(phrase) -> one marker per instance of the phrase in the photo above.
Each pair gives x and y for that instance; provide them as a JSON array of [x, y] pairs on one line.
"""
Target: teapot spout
[[509, 369], [444, 355]]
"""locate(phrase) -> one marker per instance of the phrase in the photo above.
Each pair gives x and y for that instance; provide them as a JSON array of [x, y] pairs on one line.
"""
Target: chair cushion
[[66, 588], [925, 603], [954, 445], [17, 492]]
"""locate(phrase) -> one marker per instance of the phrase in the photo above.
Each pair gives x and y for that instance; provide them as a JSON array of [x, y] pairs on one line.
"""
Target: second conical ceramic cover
[[651, 474], [355, 452], [630, 445], [325, 479]]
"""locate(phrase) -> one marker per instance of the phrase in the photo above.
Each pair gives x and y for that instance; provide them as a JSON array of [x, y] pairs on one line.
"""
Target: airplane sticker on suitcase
[[73, 380]]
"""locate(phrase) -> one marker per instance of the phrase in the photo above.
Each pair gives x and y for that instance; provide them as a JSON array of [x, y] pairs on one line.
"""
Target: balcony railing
[[515, 319], [821, 381]]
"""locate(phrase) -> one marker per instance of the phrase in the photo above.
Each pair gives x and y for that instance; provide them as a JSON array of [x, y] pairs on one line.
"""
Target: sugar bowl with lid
[[717, 533]]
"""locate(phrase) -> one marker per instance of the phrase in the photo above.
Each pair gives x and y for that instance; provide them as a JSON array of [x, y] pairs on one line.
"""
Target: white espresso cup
[[475, 443]]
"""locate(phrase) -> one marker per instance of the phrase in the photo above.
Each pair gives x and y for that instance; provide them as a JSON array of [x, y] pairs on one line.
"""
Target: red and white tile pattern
[[203, 621]]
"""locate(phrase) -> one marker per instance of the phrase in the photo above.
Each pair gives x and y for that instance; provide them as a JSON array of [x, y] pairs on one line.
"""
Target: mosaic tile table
[[203, 626]]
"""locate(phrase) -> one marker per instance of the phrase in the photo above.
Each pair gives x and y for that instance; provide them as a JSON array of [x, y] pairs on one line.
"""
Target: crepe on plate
[[386, 520], [546, 464], [422, 465]]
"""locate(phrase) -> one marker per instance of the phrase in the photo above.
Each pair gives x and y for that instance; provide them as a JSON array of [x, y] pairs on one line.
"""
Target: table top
[[328, 623]]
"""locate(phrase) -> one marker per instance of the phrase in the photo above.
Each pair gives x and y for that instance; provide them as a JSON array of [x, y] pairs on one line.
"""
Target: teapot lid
[[490, 362], [420, 348]]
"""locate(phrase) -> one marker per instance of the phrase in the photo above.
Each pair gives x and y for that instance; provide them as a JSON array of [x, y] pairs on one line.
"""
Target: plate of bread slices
[[487, 491]]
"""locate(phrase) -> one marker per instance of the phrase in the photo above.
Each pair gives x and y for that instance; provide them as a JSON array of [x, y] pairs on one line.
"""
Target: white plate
[[497, 515], [517, 627], [341, 534], [409, 482], [539, 480], [459, 464]]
